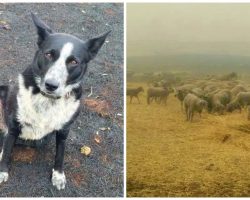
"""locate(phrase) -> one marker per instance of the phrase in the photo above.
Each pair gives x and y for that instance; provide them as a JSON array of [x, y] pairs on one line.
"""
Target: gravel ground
[[101, 173]]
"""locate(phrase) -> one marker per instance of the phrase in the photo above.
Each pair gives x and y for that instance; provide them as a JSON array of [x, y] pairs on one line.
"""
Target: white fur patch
[[58, 179], [40, 115], [58, 71], [4, 176]]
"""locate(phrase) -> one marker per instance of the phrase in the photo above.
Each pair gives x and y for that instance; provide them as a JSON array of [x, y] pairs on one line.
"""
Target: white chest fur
[[40, 115]]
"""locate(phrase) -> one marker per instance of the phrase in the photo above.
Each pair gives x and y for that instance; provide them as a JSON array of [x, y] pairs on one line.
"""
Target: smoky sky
[[179, 28]]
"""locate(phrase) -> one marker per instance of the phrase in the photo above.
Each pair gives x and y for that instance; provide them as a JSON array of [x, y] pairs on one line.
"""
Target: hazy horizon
[[182, 28]]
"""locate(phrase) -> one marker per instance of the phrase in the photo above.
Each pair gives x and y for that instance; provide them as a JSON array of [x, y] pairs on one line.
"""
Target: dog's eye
[[48, 55]]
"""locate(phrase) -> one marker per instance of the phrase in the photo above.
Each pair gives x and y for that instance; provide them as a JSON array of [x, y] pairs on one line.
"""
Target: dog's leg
[[58, 176], [5, 155]]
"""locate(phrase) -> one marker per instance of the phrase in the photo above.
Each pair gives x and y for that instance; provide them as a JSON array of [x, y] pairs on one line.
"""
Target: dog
[[46, 99]]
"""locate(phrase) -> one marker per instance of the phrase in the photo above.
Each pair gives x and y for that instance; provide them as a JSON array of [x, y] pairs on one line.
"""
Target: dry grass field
[[170, 157]]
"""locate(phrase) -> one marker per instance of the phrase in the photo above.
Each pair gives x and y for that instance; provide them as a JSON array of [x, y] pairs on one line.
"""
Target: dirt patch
[[77, 179], [76, 163], [102, 107], [24, 154]]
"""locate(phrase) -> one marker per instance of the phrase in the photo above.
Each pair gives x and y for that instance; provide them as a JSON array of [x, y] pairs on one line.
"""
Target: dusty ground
[[169, 157], [101, 173]]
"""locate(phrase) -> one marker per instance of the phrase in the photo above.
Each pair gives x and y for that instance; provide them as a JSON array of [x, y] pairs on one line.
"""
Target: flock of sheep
[[215, 96]]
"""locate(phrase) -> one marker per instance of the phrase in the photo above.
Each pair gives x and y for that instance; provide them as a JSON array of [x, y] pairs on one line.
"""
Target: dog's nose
[[51, 85]]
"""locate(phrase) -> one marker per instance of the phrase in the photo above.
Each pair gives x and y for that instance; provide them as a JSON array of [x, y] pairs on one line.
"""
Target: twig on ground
[[91, 92]]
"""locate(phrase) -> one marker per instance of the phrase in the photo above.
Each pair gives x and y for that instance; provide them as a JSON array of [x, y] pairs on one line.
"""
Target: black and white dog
[[47, 97]]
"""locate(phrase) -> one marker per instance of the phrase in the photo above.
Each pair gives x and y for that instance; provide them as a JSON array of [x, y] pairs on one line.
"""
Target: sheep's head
[[233, 106], [230, 107], [203, 104], [141, 89]]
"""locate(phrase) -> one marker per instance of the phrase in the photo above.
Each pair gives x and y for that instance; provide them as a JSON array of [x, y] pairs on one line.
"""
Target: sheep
[[230, 76], [217, 101], [193, 104], [198, 92], [133, 92], [157, 93], [241, 100], [182, 91], [210, 88], [233, 105], [237, 89]]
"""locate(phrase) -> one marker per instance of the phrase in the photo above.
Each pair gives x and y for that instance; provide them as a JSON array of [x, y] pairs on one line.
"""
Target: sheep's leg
[[188, 115], [151, 99], [165, 101], [138, 99], [191, 116], [158, 100], [186, 112], [131, 97], [161, 100], [148, 100]]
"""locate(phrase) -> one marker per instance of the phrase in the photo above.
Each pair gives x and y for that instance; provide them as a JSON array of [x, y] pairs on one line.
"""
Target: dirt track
[[170, 157], [101, 173]]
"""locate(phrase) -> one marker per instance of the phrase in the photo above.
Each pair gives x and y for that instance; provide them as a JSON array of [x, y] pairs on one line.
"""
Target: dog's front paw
[[58, 179], [4, 176]]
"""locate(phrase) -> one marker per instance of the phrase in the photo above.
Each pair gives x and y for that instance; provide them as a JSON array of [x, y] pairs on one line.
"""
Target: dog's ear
[[42, 29], [94, 44]]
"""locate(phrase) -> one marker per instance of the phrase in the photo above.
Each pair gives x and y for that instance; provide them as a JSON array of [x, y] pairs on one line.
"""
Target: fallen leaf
[[85, 150], [98, 139], [104, 129], [110, 12], [4, 25]]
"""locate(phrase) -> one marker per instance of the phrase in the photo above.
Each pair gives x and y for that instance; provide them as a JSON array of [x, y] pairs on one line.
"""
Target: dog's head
[[61, 60]]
